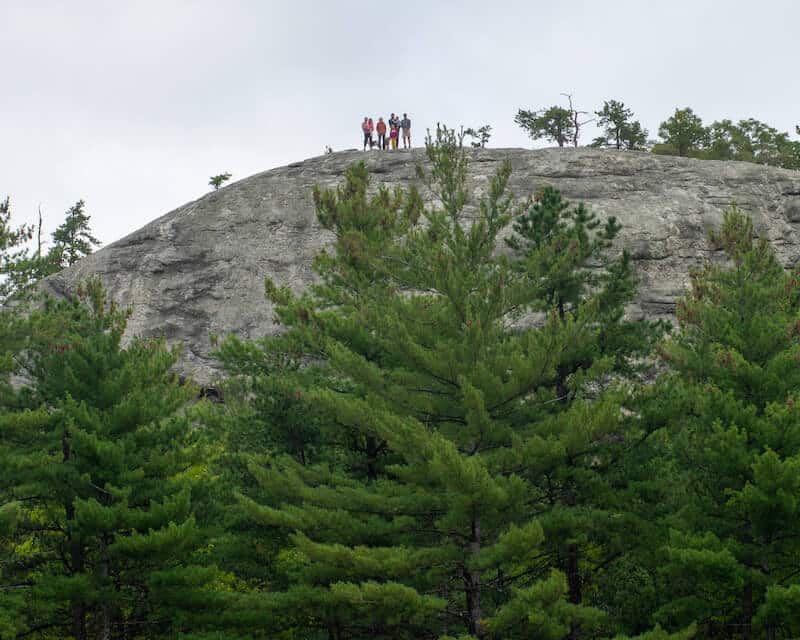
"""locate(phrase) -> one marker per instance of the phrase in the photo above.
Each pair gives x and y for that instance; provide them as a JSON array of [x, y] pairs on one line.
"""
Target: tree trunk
[[105, 609], [372, 459], [747, 612], [472, 579], [76, 555], [574, 584]]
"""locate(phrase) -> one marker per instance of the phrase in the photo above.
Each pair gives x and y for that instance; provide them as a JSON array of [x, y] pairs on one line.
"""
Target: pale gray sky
[[132, 105]]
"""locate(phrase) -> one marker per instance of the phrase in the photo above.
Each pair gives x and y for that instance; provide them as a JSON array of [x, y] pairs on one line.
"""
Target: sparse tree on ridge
[[218, 180], [576, 119], [554, 124], [73, 239], [683, 134], [479, 136], [752, 141], [620, 130], [21, 268]]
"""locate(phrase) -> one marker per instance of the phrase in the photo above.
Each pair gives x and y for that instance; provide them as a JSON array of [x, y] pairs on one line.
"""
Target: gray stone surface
[[199, 270]]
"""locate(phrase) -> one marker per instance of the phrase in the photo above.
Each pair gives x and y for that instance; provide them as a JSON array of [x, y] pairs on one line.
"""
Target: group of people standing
[[393, 127]]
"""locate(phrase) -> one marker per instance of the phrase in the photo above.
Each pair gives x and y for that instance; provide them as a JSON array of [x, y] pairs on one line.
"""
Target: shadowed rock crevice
[[199, 270]]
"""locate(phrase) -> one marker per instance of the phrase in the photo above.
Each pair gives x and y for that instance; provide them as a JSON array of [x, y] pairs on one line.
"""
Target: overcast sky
[[132, 105]]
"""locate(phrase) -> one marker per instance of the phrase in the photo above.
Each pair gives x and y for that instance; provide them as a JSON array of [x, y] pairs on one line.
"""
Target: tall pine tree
[[733, 557], [100, 479], [566, 253], [441, 416]]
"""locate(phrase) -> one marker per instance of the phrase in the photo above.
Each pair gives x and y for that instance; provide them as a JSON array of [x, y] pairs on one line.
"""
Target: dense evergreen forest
[[448, 440]]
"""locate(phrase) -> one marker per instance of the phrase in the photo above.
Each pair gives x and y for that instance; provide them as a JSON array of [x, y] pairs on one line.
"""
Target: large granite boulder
[[199, 270]]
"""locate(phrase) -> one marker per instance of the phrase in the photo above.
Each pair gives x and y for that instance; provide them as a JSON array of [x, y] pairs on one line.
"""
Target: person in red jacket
[[381, 129], [371, 129]]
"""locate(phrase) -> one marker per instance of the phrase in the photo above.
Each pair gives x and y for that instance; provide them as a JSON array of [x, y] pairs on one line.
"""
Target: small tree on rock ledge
[[218, 180]]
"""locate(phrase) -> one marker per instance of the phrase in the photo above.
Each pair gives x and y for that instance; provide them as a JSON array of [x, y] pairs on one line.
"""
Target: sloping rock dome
[[199, 270]]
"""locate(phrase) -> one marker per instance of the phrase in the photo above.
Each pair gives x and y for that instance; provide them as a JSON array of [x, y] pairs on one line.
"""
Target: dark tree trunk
[[106, 612], [574, 583], [76, 554], [472, 580], [747, 612], [372, 459]]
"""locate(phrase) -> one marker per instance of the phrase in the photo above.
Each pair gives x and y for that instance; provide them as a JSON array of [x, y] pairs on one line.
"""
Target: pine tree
[[620, 131], [683, 134], [440, 418], [554, 124], [480, 136], [21, 268], [73, 239], [734, 549], [13, 252], [99, 479], [566, 252]]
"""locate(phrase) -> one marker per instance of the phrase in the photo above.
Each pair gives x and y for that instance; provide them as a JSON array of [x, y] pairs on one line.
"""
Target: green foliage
[[752, 141], [14, 256], [479, 136], [11, 238], [730, 561], [554, 124], [683, 134], [73, 239], [412, 442], [100, 475], [218, 180], [21, 268], [748, 140], [620, 131]]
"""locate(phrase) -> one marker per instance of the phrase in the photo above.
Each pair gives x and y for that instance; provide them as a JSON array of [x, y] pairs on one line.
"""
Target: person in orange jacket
[[381, 129], [367, 135]]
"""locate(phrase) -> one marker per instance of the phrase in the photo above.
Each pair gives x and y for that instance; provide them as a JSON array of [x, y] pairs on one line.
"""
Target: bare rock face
[[199, 271]]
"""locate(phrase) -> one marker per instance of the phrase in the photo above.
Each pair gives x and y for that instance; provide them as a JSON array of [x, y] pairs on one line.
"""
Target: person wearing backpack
[[405, 123], [381, 129]]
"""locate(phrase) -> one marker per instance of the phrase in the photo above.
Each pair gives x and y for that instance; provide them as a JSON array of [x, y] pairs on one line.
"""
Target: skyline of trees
[[682, 134]]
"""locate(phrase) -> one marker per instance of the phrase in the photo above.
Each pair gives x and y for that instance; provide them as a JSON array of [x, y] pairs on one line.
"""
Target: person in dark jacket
[[405, 124]]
